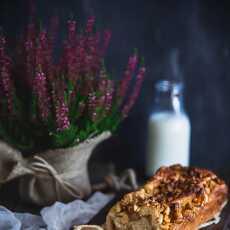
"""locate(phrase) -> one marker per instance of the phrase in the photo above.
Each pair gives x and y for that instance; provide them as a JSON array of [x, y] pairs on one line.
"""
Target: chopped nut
[[205, 198], [160, 219], [167, 219], [135, 208], [118, 208], [141, 194]]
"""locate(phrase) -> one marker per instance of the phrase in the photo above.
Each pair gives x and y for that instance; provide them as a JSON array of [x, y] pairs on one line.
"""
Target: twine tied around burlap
[[41, 166], [54, 175]]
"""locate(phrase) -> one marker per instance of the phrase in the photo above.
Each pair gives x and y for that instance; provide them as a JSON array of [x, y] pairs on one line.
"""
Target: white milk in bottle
[[168, 128]]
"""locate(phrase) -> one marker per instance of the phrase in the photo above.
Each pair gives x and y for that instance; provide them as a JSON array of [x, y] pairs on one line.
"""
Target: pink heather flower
[[29, 53], [70, 62], [7, 86], [5, 72], [92, 103], [2, 46], [74, 60], [97, 38], [61, 68], [133, 97], [62, 119], [109, 95], [81, 56], [28, 46], [132, 63], [96, 60], [43, 38], [102, 86], [40, 90], [90, 49], [105, 90], [102, 89], [103, 74], [39, 60], [68, 59], [44, 43], [49, 66], [72, 32], [124, 84], [93, 55], [43, 56], [107, 38], [89, 25]]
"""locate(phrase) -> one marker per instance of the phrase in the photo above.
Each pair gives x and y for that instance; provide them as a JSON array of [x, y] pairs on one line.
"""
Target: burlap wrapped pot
[[54, 175]]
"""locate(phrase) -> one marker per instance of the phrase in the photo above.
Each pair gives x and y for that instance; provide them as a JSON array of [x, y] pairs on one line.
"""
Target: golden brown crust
[[175, 198]]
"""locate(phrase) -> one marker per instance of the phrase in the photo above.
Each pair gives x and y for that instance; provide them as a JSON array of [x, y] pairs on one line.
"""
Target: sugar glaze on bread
[[175, 198]]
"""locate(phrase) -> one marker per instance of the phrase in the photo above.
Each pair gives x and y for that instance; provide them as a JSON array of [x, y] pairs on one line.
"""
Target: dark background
[[199, 31]]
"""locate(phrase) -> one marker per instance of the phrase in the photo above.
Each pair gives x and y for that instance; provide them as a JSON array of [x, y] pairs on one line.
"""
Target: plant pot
[[54, 175]]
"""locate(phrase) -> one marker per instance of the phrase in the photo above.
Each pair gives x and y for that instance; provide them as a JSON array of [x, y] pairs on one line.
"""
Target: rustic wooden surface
[[9, 197]]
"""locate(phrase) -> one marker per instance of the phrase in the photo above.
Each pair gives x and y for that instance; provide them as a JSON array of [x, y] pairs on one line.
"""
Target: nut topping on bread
[[174, 198]]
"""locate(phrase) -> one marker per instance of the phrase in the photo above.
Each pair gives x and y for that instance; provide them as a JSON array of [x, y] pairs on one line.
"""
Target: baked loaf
[[175, 198]]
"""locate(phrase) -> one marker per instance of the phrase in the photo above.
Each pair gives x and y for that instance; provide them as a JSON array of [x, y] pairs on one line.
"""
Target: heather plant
[[49, 103]]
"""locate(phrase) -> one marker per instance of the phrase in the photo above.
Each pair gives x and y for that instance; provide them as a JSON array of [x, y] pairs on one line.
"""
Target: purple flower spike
[[107, 38], [72, 28], [92, 106], [133, 97], [2, 46], [109, 95], [5, 75], [132, 63], [40, 90], [7, 86], [67, 89], [90, 24], [62, 115]]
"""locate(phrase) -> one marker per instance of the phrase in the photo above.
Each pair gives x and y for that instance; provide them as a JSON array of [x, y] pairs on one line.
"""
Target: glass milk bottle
[[168, 128]]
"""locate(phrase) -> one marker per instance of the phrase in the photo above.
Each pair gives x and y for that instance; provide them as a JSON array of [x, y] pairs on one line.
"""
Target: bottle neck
[[169, 97]]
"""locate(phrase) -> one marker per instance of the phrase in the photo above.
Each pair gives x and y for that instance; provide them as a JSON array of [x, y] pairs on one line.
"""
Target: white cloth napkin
[[59, 216]]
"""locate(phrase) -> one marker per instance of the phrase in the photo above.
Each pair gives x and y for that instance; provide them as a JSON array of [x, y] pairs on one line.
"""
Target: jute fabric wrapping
[[54, 175]]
